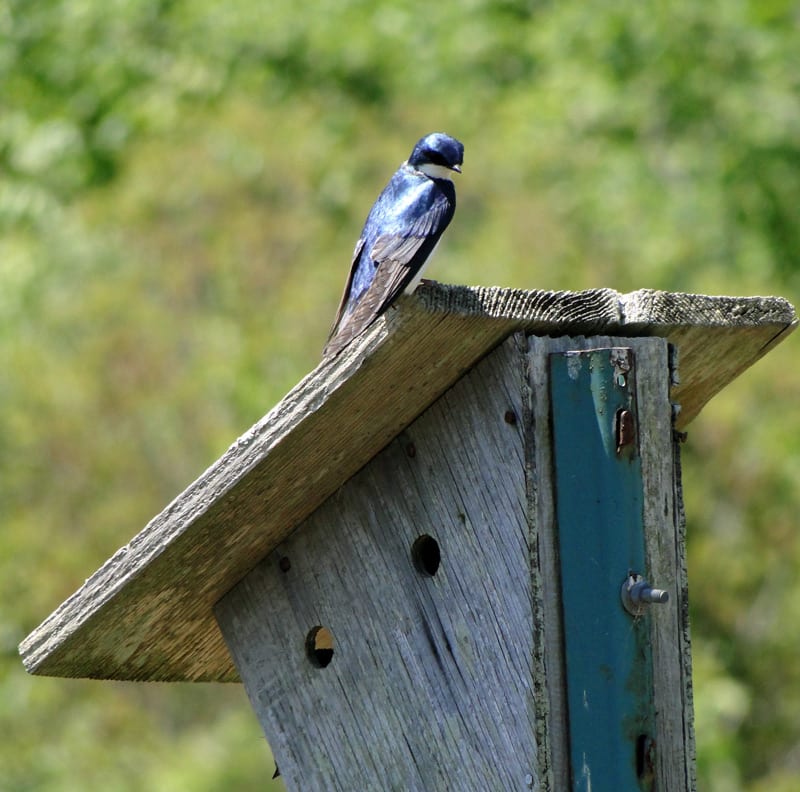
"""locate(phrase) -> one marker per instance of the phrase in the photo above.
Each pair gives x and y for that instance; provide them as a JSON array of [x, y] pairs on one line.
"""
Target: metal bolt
[[636, 594]]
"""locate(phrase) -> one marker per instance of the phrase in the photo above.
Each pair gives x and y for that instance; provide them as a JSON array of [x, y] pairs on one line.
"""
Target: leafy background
[[181, 185]]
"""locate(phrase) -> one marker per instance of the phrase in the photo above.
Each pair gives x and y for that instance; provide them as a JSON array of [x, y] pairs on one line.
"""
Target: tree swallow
[[401, 231]]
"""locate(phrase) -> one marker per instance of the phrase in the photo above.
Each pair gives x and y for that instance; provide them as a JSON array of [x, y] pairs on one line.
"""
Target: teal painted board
[[599, 512]]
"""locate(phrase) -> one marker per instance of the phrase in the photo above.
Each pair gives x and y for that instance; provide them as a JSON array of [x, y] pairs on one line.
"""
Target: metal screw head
[[636, 594]]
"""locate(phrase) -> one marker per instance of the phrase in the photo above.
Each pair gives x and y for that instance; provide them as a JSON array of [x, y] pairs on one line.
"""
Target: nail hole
[[510, 417], [426, 555], [284, 564], [319, 646]]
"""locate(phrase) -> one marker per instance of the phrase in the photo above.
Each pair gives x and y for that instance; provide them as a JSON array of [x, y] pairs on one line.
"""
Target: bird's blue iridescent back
[[407, 197]]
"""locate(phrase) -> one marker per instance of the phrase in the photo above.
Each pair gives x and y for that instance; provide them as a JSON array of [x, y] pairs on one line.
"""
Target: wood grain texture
[[429, 687], [684, 644], [455, 681], [147, 612], [665, 550]]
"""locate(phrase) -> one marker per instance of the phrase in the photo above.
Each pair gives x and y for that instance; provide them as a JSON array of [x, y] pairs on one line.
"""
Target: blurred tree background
[[181, 186]]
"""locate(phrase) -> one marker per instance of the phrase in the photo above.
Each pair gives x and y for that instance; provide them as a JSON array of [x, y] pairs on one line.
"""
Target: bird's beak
[[456, 168]]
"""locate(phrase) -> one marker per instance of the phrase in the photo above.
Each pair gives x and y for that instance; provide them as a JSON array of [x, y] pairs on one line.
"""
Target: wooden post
[[452, 569]]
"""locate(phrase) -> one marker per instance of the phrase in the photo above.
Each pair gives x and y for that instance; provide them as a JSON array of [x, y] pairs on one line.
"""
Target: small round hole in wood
[[426, 555], [319, 646]]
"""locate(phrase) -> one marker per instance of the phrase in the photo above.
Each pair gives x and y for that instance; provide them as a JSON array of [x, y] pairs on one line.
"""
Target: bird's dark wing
[[346, 293], [400, 248], [397, 256]]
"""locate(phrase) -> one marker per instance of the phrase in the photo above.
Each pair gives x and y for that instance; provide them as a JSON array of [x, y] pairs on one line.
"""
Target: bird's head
[[437, 154]]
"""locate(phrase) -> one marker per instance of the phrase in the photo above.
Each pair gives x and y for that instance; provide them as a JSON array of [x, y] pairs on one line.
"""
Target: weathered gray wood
[[455, 681], [430, 685], [718, 337], [146, 613], [665, 545], [684, 644], [664, 542]]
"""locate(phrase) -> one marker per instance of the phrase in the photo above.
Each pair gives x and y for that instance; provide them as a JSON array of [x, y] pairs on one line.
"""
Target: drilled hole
[[319, 646], [645, 760], [426, 555], [641, 744]]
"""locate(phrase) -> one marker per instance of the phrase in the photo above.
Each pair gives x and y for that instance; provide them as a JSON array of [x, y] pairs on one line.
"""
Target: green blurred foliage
[[181, 185]]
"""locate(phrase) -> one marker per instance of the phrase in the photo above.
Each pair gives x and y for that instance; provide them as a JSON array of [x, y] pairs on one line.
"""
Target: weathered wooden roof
[[146, 614]]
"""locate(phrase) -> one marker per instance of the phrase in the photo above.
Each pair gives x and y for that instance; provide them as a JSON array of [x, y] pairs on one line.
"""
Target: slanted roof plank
[[146, 613]]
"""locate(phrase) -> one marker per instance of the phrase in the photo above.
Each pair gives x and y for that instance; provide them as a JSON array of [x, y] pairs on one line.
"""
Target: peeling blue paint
[[599, 510]]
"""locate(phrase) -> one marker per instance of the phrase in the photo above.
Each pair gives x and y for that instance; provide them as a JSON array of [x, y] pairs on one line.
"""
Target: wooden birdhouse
[[452, 557]]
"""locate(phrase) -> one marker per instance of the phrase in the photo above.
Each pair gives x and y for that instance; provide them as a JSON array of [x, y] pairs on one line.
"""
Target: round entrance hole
[[319, 646], [426, 555]]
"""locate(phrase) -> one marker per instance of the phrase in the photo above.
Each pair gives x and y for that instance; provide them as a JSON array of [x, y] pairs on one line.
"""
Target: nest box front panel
[[388, 644]]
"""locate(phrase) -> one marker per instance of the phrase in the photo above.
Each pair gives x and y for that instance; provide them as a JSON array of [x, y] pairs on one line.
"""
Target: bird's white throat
[[436, 171]]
